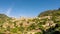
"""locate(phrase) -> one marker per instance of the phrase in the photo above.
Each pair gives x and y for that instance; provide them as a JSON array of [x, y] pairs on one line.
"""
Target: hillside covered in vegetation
[[47, 22]]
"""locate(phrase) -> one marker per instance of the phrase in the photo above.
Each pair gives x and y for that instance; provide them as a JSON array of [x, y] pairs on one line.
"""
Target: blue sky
[[27, 8]]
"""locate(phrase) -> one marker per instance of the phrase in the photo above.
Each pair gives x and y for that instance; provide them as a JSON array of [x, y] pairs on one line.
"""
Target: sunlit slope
[[47, 22]]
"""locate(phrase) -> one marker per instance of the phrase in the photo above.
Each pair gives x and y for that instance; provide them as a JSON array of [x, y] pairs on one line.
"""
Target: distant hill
[[3, 16], [50, 13]]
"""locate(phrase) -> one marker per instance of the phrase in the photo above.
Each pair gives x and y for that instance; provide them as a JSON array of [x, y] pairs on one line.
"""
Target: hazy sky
[[27, 8]]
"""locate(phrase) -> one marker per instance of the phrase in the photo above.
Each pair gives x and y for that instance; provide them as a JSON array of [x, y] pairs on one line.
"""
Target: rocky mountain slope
[[48, 22]]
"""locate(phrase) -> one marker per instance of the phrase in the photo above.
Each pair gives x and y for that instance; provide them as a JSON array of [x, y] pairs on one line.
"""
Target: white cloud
[[8, 11]]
